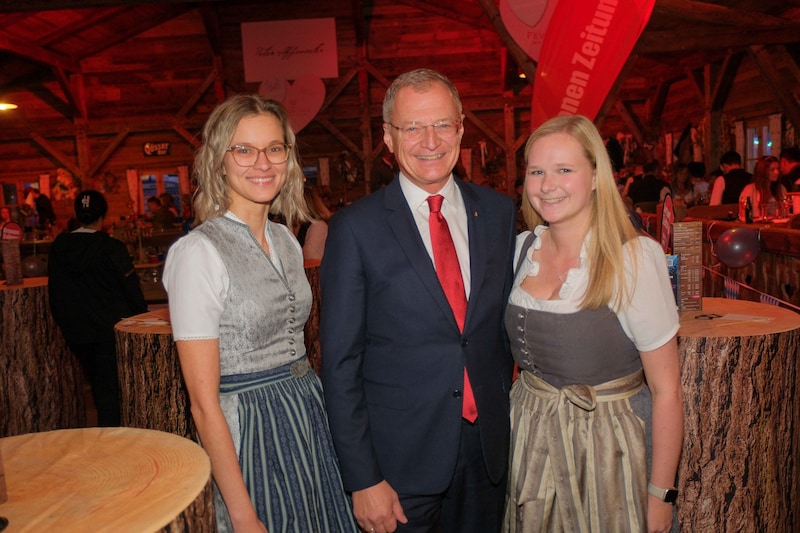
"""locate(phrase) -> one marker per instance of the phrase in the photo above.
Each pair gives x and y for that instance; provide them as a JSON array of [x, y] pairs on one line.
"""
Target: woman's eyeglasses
[[246, 155]]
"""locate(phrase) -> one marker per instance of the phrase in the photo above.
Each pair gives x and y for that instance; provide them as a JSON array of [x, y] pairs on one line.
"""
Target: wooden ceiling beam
[[51, 5], [724, 82], [59, 156], [715, 14], [763, 60], [136, 27], [461, 14], [688, 39], [108, 152], [89, 19], [38, 54], [630, 119]]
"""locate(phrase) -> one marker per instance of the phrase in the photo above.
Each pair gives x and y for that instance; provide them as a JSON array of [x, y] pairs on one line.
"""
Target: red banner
[[586, 44]]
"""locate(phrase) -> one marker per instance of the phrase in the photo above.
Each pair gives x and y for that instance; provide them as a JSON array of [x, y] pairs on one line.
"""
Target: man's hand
[[377, 508]]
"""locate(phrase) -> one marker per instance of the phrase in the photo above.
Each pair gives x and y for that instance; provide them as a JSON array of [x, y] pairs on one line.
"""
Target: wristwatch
[[666, 495]]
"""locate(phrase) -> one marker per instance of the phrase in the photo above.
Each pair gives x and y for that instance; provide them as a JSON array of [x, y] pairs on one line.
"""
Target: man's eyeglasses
[[246, 155], [445, 129]]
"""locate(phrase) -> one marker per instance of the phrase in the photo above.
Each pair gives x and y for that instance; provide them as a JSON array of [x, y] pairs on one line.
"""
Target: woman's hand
[[659, 515]]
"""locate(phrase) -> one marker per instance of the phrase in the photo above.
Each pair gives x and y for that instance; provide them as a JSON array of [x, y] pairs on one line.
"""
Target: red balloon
[[738, 247]]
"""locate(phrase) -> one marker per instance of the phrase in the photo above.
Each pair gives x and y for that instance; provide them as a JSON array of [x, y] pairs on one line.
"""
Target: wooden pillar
[[739, 470], [41, 382]]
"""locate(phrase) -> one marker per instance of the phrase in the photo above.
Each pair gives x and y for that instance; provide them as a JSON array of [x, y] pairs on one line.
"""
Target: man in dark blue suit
[[393, 352]]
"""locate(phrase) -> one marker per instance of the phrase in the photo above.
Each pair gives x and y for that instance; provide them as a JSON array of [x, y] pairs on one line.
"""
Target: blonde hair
[[212, 197], [610, 225]]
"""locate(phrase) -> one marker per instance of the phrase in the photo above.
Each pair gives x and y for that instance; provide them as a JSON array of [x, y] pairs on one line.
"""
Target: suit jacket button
[[464, 342], [456, 393]]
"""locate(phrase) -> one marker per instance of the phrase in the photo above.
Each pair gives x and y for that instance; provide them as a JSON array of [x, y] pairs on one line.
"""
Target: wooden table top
[[737, 318], [156, 322], [27, 283], [100, 479]]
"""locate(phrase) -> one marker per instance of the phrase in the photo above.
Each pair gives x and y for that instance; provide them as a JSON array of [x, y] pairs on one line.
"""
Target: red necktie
[[449, 273]]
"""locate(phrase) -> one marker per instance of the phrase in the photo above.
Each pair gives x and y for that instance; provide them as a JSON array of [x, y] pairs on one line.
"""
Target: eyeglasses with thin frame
[[246, 155], [445, 129]]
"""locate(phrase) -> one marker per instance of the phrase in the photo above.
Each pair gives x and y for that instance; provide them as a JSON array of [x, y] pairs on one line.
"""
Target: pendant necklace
[[561, 276]]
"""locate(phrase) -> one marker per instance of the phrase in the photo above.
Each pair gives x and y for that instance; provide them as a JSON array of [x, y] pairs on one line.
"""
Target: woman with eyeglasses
[[238, 299]]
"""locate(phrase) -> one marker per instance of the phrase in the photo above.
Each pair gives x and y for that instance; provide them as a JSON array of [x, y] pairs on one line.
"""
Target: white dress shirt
[[454, 213]]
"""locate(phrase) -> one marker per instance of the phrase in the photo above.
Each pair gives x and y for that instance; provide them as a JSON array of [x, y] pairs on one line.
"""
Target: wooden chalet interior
[[99, 83]]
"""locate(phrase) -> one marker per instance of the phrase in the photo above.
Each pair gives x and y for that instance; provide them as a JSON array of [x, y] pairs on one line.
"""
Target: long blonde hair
[[212, 197], [610, 225]]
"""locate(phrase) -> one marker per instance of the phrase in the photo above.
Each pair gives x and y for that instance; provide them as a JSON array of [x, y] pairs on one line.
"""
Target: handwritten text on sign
[[289, 49]]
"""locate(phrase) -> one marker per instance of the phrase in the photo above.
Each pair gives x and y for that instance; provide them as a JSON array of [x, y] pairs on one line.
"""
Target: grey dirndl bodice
[[261, 326], [587, 347]]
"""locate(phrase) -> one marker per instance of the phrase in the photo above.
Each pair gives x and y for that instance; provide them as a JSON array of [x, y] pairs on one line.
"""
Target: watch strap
[[665, 495]]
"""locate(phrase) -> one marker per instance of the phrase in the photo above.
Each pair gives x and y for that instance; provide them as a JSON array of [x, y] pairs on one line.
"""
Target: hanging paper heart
[[273, 88], [527, 21], [304, 98], [529, 11]]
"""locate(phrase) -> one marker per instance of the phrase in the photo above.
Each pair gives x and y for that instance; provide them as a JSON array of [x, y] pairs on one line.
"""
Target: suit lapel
[[476, 225]]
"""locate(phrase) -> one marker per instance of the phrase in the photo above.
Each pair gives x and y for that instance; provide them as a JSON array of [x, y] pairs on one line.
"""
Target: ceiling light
[[5, 106]]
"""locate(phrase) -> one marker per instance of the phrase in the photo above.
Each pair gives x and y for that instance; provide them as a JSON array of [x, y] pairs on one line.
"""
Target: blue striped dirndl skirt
[[286, 453]]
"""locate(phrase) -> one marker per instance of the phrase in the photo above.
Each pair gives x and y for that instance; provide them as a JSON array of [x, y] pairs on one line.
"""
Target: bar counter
[[776, 270]]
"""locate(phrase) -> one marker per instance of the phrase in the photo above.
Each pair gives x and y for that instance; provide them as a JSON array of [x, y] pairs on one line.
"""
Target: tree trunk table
[[106, 479], [152, 392], [41, 381], [740, 468]]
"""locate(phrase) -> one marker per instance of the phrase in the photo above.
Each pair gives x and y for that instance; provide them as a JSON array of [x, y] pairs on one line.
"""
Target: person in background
[[383, 171], [92, 286], [766, 192], [168, 202], [649, 190], [5, 215], [790, 168], [397, 351], [726, 190], [160, 216], [238, 300], [312, 234], [700, 185], [44, 209], [592, 322], [187, 213]]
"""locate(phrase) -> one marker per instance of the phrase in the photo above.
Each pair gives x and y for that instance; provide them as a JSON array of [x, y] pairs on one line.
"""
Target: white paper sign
[[290, 49]]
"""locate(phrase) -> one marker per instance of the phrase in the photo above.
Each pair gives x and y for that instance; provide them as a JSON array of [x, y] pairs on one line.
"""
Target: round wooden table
[[740, 468], [106, 479], [41, 382]]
